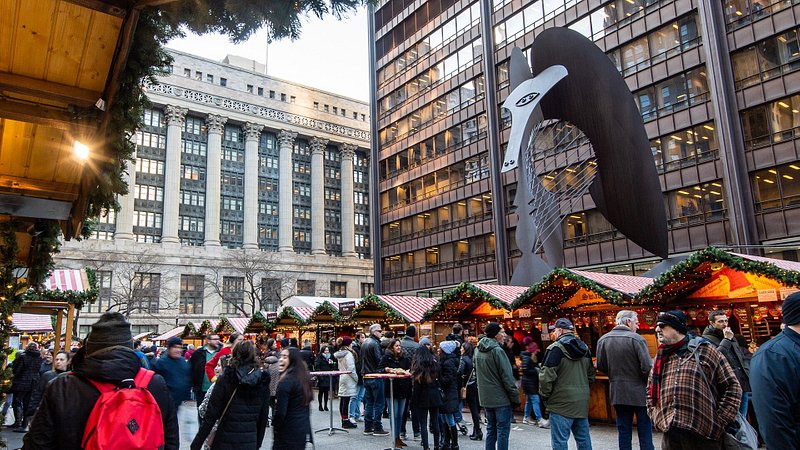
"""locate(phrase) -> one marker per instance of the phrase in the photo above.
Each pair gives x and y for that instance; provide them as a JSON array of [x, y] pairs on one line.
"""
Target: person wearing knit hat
[[425, 341], [176, 371], [773, 377], [70, 398], [689, 403], [497, 389], [448, 346], [348, 383]]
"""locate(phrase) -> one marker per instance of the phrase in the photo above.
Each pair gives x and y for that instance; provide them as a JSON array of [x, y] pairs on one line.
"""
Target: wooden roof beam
[[38, 188], [44, 115], [47, 89]]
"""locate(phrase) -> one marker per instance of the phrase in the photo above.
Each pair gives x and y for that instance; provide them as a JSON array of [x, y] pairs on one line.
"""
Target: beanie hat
[[791, 309], [425, 341], [174, 341], [675, 319], [111, 329], [411, 331], [448, 346], [527, 341], [492, 329], [347, 340]]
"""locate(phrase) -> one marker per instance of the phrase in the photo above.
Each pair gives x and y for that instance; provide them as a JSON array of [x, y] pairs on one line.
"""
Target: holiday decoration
[[373, 302]]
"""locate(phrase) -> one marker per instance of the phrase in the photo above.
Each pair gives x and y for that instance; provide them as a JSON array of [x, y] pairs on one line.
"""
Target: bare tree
[[141, 283], [251, 280]]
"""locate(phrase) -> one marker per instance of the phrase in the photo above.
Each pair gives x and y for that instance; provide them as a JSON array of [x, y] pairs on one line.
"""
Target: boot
[[454, 438], [398, 443], [445, 432], [477, 434], [347, 424]]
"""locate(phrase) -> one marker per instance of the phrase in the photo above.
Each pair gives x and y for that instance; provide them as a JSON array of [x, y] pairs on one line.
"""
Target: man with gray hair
[[623, 355], [371, 355]]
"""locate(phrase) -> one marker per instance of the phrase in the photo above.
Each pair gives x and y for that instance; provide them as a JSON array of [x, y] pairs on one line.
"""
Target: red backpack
[[125, 418]]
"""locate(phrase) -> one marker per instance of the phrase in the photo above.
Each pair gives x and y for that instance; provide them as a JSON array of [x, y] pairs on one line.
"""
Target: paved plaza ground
[[604, 437]]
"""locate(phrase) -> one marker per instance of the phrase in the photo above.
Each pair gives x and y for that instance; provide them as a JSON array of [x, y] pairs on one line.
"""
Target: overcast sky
[[330, 55]]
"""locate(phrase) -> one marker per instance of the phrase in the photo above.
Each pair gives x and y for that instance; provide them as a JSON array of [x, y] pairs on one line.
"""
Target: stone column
[[172, 174], [318, 196], [348, 206], [252, 133], [123, 230], [285, 232], [215, 125]]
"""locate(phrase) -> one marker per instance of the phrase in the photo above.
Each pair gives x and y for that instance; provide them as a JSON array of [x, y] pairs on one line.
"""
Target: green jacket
[[565, 377], [496, 386]]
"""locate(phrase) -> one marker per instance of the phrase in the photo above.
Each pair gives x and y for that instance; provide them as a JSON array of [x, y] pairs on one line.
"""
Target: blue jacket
[[177, 374], [774, 372]]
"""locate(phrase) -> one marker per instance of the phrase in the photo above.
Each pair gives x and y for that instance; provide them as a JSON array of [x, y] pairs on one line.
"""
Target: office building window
[[145, 293], [233, 295], [191, 294], [338, 289], [306, 287]]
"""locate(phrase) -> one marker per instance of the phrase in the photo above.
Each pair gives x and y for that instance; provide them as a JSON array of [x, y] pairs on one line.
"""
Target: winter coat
[[211, 365], [409, 346], [624, 357], [38, 392], [271, 366], [200, 382], [371, 354], [69, 399], [465, 368], [426, 395], [530, 374], [348, 384], [291, 419], [45, 367], [496, 385], [177, 374], [26, 371], [511, 360], [565, 377], [308, 358], [450, 382], [322, 364], [402, 386], [730, 349], [774, 375], [243, 425]]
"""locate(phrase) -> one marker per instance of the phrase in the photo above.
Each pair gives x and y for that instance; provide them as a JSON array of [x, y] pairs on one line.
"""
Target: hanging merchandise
[[649, 318]]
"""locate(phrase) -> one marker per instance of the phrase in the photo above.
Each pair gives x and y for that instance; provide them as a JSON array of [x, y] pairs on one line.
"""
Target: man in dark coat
[[175, 370], [308, 355], [623, 356], [26, 377], [719, 333], [774, 372], [107, 357], [201, 356], [409, 346], [374, 397]]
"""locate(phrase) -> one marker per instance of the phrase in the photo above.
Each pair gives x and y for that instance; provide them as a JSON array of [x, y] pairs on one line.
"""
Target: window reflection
[[776, 187], [777, 121], [696, 204]]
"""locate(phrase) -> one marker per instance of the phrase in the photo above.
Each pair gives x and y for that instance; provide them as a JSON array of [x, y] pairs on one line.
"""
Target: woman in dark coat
[[470, 380], [530, 383], [324, 362], [59, 366], [291, 421], [426, 398], [240, 402], [393, 359], [450, 382]]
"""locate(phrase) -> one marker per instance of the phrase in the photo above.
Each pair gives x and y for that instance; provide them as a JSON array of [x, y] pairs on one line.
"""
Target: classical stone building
[[246, 189], [716, 82]]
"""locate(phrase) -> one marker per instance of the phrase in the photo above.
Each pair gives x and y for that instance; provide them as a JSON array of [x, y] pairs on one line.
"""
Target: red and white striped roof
[[32, 323], [239, 324], [781, 263], [303, 311], [212, 323], [173, 332], [67, 280], [411, 308], [506, 294], [626, 284]]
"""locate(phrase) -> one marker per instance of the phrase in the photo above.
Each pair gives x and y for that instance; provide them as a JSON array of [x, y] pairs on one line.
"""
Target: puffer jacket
[[271, 366], [70, 398], [450, 382], [565, 377], [348, 383], [530, 374], [26, 371], [244, 423]]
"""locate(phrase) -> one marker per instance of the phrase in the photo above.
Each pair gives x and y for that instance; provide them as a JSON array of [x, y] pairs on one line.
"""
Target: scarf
[[664, 352]]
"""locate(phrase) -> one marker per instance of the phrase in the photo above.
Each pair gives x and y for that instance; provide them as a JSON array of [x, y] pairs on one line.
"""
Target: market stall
[[395, 312], [161, 339], [228, 325], [290, 321]]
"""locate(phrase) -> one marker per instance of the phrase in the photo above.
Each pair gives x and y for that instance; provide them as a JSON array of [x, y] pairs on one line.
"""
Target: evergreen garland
[[326, 308], [288, 312], [375, 302], [464, 292], [552, 291], [190, 331]]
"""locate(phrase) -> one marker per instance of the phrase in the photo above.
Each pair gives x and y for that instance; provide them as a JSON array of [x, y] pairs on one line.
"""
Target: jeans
[[560, 428], [498, 427], [398, 407], [532, 405], [355, 403], [373, 404], [457, 415], [422, 417], [344, 407], [745, 401], [448, 419], [644, 427], [414, 422], [679, 439]]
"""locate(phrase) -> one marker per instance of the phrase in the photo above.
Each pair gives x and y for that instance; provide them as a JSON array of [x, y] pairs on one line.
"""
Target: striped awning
[[67, 280], [239, 324], [31, 323], [142, 335], [173, 332], [506, 294], [411, 308], [626, 284], [781, 263], [303, 312]]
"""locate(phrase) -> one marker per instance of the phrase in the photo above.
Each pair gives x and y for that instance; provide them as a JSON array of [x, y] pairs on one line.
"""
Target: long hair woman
[[324, 362], [393, 359], [471, 382], [450, 384], [426, 398], [239, 402], [291, 421], [348, 383]]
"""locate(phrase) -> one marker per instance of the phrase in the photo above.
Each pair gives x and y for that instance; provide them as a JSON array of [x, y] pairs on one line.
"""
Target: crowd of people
[[695, 391]]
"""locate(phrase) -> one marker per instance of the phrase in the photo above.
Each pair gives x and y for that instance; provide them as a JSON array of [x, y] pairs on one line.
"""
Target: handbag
[[464, 388], [739, 435], [211, 434]]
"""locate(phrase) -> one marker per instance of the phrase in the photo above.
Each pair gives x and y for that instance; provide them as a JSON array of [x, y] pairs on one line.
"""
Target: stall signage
[[767, 295], [525, 312], [346, 308], [271, 315], [508, 314], [787, 291]]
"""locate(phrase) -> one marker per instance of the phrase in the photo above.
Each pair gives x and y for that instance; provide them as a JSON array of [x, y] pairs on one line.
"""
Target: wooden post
[[57, 343], [70, 324]]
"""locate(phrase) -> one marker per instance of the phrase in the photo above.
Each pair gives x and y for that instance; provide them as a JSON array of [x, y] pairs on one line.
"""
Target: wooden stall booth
[[750, 289], [228, 325], [394, 312], [323, 321], [161, 339], [191, 334], [473, 305], [291, 321]]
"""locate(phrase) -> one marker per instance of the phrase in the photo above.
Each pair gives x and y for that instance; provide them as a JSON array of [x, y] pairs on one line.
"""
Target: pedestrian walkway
[[604, 437]]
